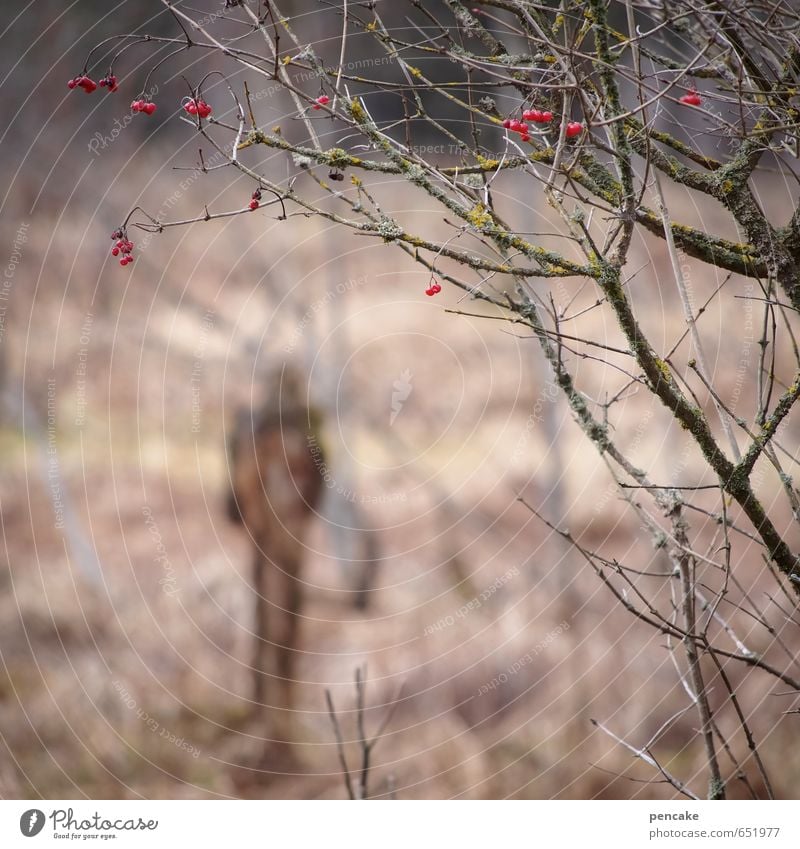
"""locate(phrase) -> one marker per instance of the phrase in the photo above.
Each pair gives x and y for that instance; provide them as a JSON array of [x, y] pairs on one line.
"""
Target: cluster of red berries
[[122, 245], [692, 98], [109, 82], [322, 100], [517, 126], [433, 289], [197, 107], [84, 82], [537, 116], [255, 198], [146, 106]]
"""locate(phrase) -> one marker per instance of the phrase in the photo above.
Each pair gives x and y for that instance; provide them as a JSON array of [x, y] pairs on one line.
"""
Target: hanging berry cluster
[[89, 85], [434, 288], [195, 106], [322, 100], [122, 245], [517, 126], [146, 106], [538, 116], [84, 82], [255, 199]]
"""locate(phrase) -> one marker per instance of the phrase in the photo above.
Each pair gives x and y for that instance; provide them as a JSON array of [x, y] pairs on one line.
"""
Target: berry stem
[[160, 63]]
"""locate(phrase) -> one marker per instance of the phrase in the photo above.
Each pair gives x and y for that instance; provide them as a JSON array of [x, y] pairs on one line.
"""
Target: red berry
[[197, 107], [429, 291], [321, 101], [514, 125], [525, 137], [115, 251], [574, 128], [72, 83], [87, 84], [522, 128], [692, 98], [546, 117], [533, 115], [253, 204], [148, 108], [507, 123]]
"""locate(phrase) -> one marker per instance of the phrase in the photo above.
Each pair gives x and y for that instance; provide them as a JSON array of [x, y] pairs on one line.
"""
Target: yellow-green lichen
[[545, 155], [487, 164], [663, 368], [479, 216], [389, 229], [338, 158], [357, 110]]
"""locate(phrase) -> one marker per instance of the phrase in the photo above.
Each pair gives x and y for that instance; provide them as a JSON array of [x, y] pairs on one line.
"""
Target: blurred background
[[125, 591]]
